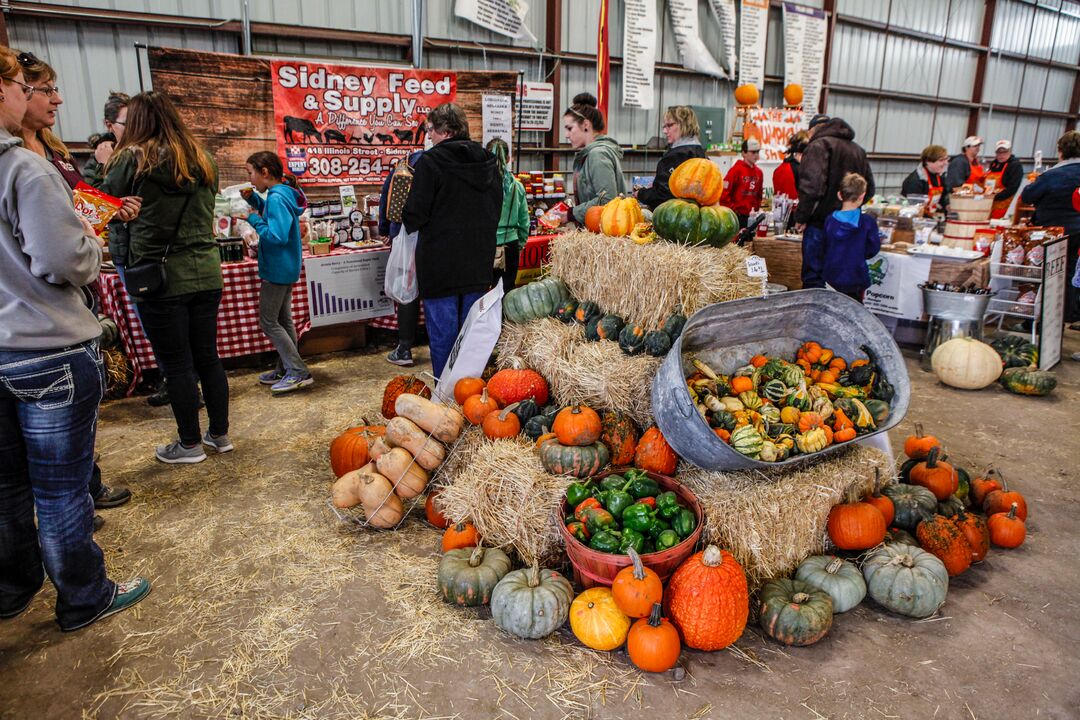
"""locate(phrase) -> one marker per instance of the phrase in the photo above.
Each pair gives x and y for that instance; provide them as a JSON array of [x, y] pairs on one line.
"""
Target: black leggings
[[509, 275]]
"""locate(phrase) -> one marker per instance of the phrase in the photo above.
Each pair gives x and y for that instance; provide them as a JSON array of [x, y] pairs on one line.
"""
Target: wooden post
[[553, 42], [830, 12], [980, 66]]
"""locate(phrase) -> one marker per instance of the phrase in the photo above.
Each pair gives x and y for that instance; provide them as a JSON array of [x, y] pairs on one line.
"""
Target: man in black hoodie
[[829, 156], [454, 205]]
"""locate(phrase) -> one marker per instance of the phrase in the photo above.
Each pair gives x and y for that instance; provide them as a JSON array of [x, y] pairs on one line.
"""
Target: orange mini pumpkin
[[697, 179], [501, 423], [654, 454], [577, 426], [985, 484], [432, 513], [999, 501], [477, 407], [793, 94], [747, 94], [856, 525], [636, 588], [592, 218], [741, 383], [937, 476], [653, 643], [810, 420], [462, 535], [918, 446], [466, 387], [708, 600], [1006, 529]]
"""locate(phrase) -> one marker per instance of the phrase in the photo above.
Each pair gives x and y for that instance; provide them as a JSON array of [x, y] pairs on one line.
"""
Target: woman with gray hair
[[681, 131]]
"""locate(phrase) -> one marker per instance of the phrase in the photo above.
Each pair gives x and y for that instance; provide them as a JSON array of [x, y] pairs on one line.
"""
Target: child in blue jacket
[[851, 238], [277, 220]]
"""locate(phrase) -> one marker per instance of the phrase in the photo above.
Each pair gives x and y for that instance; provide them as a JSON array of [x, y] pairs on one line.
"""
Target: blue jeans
[[443, 318], [813, 256], [48, 418]]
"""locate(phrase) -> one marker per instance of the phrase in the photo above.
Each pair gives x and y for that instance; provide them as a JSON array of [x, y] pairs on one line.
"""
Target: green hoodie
[[514, 219], [598, 175]]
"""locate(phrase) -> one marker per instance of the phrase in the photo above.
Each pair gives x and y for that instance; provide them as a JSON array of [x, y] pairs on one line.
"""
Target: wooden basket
[[971, 209], [592, 568]]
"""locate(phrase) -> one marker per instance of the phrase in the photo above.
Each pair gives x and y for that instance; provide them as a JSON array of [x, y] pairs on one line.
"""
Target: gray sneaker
[[175, 453], [291, 382], [401, 356], [218, 442]]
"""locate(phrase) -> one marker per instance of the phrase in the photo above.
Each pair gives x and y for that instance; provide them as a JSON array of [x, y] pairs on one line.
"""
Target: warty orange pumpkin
[[707, 599], [654, 454]]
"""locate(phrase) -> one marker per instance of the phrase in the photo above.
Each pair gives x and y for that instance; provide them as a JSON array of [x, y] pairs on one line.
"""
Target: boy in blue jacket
[[851, 238], [277, 220]]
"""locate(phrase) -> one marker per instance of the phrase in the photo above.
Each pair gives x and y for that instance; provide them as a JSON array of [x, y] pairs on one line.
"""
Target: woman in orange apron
[[927, 179], [1003, 178]]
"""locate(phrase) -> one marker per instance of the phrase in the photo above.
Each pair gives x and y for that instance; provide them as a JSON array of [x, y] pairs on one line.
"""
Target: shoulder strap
[[179, 220]]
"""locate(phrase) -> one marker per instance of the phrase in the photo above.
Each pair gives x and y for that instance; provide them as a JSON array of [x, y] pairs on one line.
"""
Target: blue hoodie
[[851, 238], [277, 220]]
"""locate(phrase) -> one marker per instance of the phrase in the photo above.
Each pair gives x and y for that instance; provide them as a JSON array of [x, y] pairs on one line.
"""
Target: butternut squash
[[403, 432], [345, 492], [443, 422], [378, 447], [407, 477], [382, 507]]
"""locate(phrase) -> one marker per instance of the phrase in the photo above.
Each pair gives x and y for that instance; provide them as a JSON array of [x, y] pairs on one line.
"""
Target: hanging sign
[[498, 119], [536, 105], [347, 124], [506, 17], [724, 11], [344, 288], [805, 31], [773, 128], [754, 21], [639, 53], [695, 55]]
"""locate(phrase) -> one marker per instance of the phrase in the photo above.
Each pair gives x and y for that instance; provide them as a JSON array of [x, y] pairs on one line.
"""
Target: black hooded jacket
[[830, 154], [454, 204]]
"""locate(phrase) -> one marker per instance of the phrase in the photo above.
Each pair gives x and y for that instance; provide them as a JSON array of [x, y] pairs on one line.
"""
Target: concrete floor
[[264, 606]]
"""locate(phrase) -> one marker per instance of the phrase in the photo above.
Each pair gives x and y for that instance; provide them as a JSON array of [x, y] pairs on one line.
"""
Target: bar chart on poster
[[346, 288]]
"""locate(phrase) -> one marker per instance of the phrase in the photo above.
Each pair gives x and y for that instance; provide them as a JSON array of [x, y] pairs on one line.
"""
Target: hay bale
[[772, 523], [597, 374], [645, 283]]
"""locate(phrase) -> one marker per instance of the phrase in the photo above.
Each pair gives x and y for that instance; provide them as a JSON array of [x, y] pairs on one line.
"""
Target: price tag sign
[[755, 266]]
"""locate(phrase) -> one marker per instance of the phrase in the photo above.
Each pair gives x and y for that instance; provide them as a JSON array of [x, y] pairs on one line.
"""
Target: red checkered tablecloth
[[238, 316]]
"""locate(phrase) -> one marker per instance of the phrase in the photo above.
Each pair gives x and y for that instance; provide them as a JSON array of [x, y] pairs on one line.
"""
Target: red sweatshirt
[[743, 187], [783, 180]]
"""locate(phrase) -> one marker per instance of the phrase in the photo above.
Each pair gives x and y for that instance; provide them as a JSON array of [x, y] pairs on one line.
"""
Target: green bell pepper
[[684, 523], [667, 539], [648, 547], [667, 504], [578, 530], [597, 519], [605, 541], [617, 501], [641, 485], [576, 492], [639, 517], [631, 539], [613, 482], [568, 519]]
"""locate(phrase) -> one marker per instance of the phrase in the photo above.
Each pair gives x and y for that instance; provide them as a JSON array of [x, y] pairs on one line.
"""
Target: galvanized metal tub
[[727, 335], [954, 305]]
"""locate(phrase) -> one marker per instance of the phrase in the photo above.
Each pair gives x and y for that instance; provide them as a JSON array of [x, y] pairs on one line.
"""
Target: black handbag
[[147, 278]]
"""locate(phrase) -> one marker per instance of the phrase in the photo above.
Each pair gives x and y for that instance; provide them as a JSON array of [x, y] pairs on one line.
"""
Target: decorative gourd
[[592, 218], [795, 612], [793, 94], [466, 387], [707, 599], [653, 642], [878, 409], [609, 327], [442, 421], [855, 525], [597, 621], [912, 503], [397, 386], [935, 475], [697, 179], [976, 532], [1016, 351], [813, 441], [632, 339], [526, 410], [966, 363], [896, 535], [584, 461], [1006, 529], [990, 480], [653, 453], [620, 216], [538, 299], [686, 222], [511, 385], [747, 94], [586, 311], [741, 384], [590, 329], [531, 603], [643, 234], [567, 310], [620, 435], [1028, 381], [406, 476], [577, 425], [350, 451], [940, 537], [636, 588], [432, 513], [774, 390], [477, 407], [500, 424], [906, 580], [918, 446], [462, 535], [468, 576], [404, 433], [1001, 500], [809, 420], [950, 507], [747, 441], [750, 400], [839, 578], [674, 324], [657, 343], [790, 415]]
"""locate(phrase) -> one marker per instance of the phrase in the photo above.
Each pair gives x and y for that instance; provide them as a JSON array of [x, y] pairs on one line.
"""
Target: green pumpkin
[[950, 506], [468, 575], [722, 419], [775, 390], [684, 221], [632, 339], [963, 487], [565, 312], [674, 324], [609, 327], [903, 537], [582, 461], [526, 410], [657, 343], [905, 469], [586, 311], [590, 328], [795, 612], [1028, 381], [536, 300], [747, 441], [531, 603], [836, 576], [1016, 351], [536, 426], [879, 410], [912, 503], [905, 580]]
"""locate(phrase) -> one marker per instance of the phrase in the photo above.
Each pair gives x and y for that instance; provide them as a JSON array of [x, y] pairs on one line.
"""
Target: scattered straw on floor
[[644, 283], [771, 524]]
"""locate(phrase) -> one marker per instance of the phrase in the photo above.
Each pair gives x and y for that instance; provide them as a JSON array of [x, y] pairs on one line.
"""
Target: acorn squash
[[632, 339], [1028, 381], [657, 343], [684, 221], [609, 327], [538, 299]]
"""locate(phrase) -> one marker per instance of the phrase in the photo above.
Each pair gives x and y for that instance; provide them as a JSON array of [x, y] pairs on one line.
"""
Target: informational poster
[[724, 11], [1055, 278], [345, 288], [534, 254], [805, 32], [639, 53], [498, 119], [347, 124], [894, 281], [754, 22], [505, 17], [773, 127], [536, 105], [695, 55]]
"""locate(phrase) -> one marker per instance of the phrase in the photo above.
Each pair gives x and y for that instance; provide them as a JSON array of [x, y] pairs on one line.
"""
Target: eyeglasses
[[48, 90], [28, 90], [670, 125]]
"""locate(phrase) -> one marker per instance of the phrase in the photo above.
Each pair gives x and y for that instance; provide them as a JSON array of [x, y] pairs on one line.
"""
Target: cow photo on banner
[[347, 124]]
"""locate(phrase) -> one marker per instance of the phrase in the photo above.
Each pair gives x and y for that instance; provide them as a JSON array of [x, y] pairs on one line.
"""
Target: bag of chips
[[94, 205]]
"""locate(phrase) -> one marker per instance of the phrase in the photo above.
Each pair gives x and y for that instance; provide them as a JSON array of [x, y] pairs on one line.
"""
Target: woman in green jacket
[[598, 175], [513, 228], [160, 161]]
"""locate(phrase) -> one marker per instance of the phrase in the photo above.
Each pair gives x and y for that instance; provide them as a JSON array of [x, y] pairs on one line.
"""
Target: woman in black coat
[[681, 130]]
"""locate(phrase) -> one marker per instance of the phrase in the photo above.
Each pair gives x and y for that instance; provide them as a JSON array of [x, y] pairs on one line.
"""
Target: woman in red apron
[[928, 178], [1003, 178]]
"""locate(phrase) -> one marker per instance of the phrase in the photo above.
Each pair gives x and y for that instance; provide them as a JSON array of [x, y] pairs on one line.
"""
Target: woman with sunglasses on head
[[598, 175], [51, 379], [681, 131]]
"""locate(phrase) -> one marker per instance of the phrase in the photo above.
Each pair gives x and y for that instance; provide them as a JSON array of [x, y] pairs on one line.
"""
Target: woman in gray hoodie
[[598, 175]]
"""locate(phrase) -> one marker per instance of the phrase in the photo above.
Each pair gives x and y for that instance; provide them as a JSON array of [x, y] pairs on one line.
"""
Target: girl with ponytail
[[513, 228], [598, 175]]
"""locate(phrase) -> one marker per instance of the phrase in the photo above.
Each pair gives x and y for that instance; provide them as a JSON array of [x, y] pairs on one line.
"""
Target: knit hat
[[817, 120]]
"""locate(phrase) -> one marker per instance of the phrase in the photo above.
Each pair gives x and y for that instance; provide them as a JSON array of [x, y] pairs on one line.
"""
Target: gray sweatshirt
[[45, 258]]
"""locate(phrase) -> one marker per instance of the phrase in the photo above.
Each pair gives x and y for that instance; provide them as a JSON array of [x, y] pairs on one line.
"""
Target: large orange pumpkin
[[398, 386], [592, 218], [941, 537], [620, 435], [697, 179], [620, 216], [707, 599], [349, 450], [856, 526], [747, 94], [510, 386], [793, 94], [654, 454]]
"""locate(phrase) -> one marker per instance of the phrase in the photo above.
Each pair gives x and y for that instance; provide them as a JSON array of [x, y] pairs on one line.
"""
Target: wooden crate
[[783, 259]]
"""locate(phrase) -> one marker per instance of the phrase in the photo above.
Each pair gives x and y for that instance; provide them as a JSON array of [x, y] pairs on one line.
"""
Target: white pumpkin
[[966, 363]]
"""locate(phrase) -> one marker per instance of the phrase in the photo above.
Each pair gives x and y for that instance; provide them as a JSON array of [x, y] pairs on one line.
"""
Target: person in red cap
[[744, 183], [965, 168], [1003, 177]]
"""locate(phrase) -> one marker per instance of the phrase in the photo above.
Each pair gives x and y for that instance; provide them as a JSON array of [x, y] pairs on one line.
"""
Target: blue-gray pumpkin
[[531, 603]]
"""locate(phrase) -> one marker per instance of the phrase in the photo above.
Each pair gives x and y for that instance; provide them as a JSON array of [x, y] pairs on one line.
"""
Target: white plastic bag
[[238, 206], [474, 343], [400, 285]]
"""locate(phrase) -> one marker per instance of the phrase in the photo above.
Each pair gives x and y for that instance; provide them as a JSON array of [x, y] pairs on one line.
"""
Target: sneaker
[[98, 522], [127, 594], [218, 442], [160, 398], [111, 497], [272, 377], [290, 383], [401, 356], [1075, 356], [175, 452]]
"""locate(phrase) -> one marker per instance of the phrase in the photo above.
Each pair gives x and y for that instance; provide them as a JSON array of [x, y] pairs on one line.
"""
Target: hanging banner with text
[[536, 105], [639, 53], [347, 124], [724, 11], [773, 127], [506, 17], [805, 31], [754, 22], [692, 49]]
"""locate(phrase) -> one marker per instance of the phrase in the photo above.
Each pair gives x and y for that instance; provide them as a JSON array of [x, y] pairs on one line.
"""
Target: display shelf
[[1005, 271]]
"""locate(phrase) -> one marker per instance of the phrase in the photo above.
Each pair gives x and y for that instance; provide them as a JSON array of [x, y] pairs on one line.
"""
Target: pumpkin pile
[[632, 339], [772, 409], [693, 216]]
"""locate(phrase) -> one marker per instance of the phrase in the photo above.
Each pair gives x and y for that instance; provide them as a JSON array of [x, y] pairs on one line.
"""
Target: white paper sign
[[536, 105], [639, 53], [498, 119], [754, 21], [805, 31], [894, 280], [695, 55], [1053, 303], [755, 266], [344, 288], [505, 17], [724, 11]]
